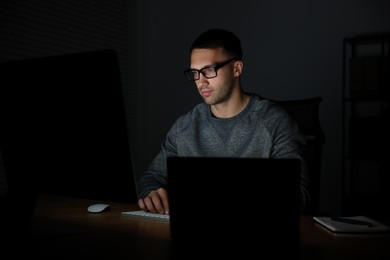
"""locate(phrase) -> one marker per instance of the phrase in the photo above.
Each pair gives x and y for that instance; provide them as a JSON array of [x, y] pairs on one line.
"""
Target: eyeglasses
[[208, 72]]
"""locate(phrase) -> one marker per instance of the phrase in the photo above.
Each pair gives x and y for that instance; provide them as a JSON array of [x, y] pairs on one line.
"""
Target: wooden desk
[[63, 229]]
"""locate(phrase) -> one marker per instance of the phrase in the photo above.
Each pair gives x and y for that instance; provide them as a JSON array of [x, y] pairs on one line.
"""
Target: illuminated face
[[213, 73]]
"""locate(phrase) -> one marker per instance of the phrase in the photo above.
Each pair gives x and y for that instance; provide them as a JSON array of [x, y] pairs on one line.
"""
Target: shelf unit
[[366, 146]]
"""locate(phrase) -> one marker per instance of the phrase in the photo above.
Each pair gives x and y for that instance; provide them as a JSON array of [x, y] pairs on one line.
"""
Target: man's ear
[[238, 67]]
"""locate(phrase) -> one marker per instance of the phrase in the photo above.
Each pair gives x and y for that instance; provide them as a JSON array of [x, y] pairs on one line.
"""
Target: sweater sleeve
[[155, 176]]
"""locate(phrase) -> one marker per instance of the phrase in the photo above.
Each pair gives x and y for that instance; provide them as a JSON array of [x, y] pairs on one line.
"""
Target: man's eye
[[208, 70]]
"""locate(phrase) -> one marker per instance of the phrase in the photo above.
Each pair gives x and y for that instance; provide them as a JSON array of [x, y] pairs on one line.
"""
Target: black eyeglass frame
[[216, 67]]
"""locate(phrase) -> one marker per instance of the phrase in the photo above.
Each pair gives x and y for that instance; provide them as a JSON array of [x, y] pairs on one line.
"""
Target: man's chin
[[208, 100]]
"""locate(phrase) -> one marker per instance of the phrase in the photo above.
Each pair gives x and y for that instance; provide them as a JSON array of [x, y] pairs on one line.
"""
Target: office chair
[[306, 114]]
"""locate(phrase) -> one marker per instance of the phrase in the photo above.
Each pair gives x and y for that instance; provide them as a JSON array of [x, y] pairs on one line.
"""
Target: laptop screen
[[245, 205]]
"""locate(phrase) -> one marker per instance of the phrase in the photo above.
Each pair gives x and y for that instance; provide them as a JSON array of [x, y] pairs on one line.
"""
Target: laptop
[[234, 206]]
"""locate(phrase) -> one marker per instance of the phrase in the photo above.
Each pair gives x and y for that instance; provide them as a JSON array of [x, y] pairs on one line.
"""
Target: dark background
[[292, 50]]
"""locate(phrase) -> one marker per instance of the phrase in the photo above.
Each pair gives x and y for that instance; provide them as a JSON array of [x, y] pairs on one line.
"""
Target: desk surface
[[63, 229]]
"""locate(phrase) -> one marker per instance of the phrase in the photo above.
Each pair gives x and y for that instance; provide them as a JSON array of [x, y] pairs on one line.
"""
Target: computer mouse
[[98, 207]]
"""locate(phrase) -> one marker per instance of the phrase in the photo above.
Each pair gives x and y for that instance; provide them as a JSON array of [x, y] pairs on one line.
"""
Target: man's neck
[[231, 107]]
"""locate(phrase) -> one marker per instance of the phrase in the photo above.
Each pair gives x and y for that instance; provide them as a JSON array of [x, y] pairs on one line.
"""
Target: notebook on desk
[[244, 205]]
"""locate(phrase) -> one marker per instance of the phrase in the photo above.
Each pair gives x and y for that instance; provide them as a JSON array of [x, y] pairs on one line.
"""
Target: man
[[229, 123]]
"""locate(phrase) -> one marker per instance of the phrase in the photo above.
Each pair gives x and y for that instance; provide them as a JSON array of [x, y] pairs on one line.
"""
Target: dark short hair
[[219, 38]]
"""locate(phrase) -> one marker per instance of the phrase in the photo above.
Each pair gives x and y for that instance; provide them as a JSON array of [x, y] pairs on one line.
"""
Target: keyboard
[[146, 215]]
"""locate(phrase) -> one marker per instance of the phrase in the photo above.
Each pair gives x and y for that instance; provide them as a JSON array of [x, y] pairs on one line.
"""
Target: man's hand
[[155, 202]]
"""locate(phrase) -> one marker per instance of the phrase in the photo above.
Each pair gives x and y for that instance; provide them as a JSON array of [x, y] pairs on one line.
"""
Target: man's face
[[218, 89]]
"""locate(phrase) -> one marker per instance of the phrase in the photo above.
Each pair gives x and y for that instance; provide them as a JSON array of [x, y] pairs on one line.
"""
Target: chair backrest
[[306, 114]]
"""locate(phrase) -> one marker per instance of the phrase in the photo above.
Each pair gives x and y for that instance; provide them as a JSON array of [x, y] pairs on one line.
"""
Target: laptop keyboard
[[146, 215]]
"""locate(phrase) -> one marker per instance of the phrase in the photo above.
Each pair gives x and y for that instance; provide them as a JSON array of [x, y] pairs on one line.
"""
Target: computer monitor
[[64, 128]]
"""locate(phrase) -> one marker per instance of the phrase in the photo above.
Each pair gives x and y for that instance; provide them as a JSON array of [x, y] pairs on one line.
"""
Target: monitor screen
[[64, 129]]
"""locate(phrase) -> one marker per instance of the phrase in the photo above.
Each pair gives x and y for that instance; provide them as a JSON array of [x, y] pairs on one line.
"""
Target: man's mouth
[[206, 93]]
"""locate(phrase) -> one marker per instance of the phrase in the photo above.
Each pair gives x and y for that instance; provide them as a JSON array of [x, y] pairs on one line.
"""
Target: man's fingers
[[141, 204], [164, 200], [155, 202]]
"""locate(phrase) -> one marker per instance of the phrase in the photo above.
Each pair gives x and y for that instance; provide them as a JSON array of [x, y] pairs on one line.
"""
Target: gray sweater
[[262, 129]]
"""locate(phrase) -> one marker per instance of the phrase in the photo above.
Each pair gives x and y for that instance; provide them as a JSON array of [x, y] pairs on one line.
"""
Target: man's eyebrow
[[206, 66]]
